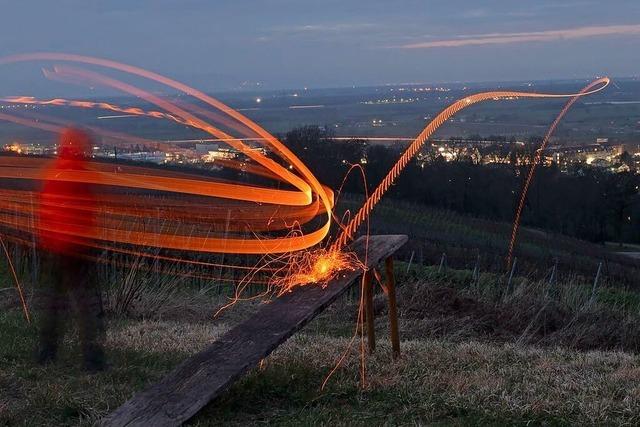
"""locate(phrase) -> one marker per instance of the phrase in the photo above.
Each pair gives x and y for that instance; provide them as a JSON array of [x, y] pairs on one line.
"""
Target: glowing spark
[[314, 268]]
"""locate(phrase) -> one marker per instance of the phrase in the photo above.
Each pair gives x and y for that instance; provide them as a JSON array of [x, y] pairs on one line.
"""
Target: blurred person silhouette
[[66, 215]]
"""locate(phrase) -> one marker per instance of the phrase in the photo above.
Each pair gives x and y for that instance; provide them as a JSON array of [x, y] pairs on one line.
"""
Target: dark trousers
[[63, 277]]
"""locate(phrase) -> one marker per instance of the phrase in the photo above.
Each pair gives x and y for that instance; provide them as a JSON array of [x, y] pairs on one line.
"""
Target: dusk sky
[[332, 43]]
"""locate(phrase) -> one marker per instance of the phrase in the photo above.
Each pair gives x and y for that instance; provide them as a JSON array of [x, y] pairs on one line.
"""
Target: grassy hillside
[[475, 351], [470, 355], [467, 240]]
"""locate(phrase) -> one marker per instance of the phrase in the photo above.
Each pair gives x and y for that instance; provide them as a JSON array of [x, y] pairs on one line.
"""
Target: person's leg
[[54, 307], [90, 312]]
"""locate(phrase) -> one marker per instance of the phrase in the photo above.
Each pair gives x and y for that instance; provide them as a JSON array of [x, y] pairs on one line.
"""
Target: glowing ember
[[314, 268]]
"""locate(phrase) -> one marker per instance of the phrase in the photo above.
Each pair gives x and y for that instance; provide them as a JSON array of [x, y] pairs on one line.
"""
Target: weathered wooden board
[[204, 376]]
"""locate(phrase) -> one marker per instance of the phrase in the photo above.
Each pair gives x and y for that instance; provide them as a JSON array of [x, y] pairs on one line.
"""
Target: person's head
[[74, 144]]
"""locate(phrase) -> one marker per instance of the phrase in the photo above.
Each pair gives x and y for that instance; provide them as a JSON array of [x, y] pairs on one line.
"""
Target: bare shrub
[[566, 315], [141, 290]]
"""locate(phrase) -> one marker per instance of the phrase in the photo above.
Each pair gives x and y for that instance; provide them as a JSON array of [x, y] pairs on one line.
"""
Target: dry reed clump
[[139, 288]]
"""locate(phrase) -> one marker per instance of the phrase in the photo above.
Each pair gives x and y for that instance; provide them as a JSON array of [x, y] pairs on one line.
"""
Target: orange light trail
[[310, 196], [60, 102], [536, 160], [199, 214], [280, 215], [351, 228], [297, 244]]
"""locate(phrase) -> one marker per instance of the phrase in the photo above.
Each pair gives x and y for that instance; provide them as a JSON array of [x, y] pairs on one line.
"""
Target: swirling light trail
[[415, 146], [249, 208], [536, 162], [309, 191]]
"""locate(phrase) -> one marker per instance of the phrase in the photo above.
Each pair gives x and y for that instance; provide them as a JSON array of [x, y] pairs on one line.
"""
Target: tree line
[[585, 202]]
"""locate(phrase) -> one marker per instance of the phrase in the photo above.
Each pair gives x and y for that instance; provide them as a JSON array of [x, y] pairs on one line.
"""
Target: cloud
[[324, 28], [535, 36], [339, 31]]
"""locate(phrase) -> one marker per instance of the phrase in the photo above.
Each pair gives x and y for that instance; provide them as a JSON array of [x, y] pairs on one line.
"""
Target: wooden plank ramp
[[204, 376]]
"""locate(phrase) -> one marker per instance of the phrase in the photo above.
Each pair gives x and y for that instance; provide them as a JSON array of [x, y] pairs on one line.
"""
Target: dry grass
[[470, 355], [453, 306], [164, 336], [435, 380]]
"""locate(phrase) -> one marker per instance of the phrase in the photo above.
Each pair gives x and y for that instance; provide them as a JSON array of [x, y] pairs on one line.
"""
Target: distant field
[[351, 111]]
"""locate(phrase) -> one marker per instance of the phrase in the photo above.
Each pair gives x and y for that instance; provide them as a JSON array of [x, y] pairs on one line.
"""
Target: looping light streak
[[280, 148], [309, 190], [200, 214], [536, 161], [414, 147]]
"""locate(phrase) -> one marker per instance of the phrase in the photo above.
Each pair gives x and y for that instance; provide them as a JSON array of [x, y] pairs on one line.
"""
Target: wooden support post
[[393, 307], [368, 309]]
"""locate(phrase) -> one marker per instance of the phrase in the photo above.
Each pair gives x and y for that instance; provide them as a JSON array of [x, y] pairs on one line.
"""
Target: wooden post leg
[[368, 309], [393, 307]]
